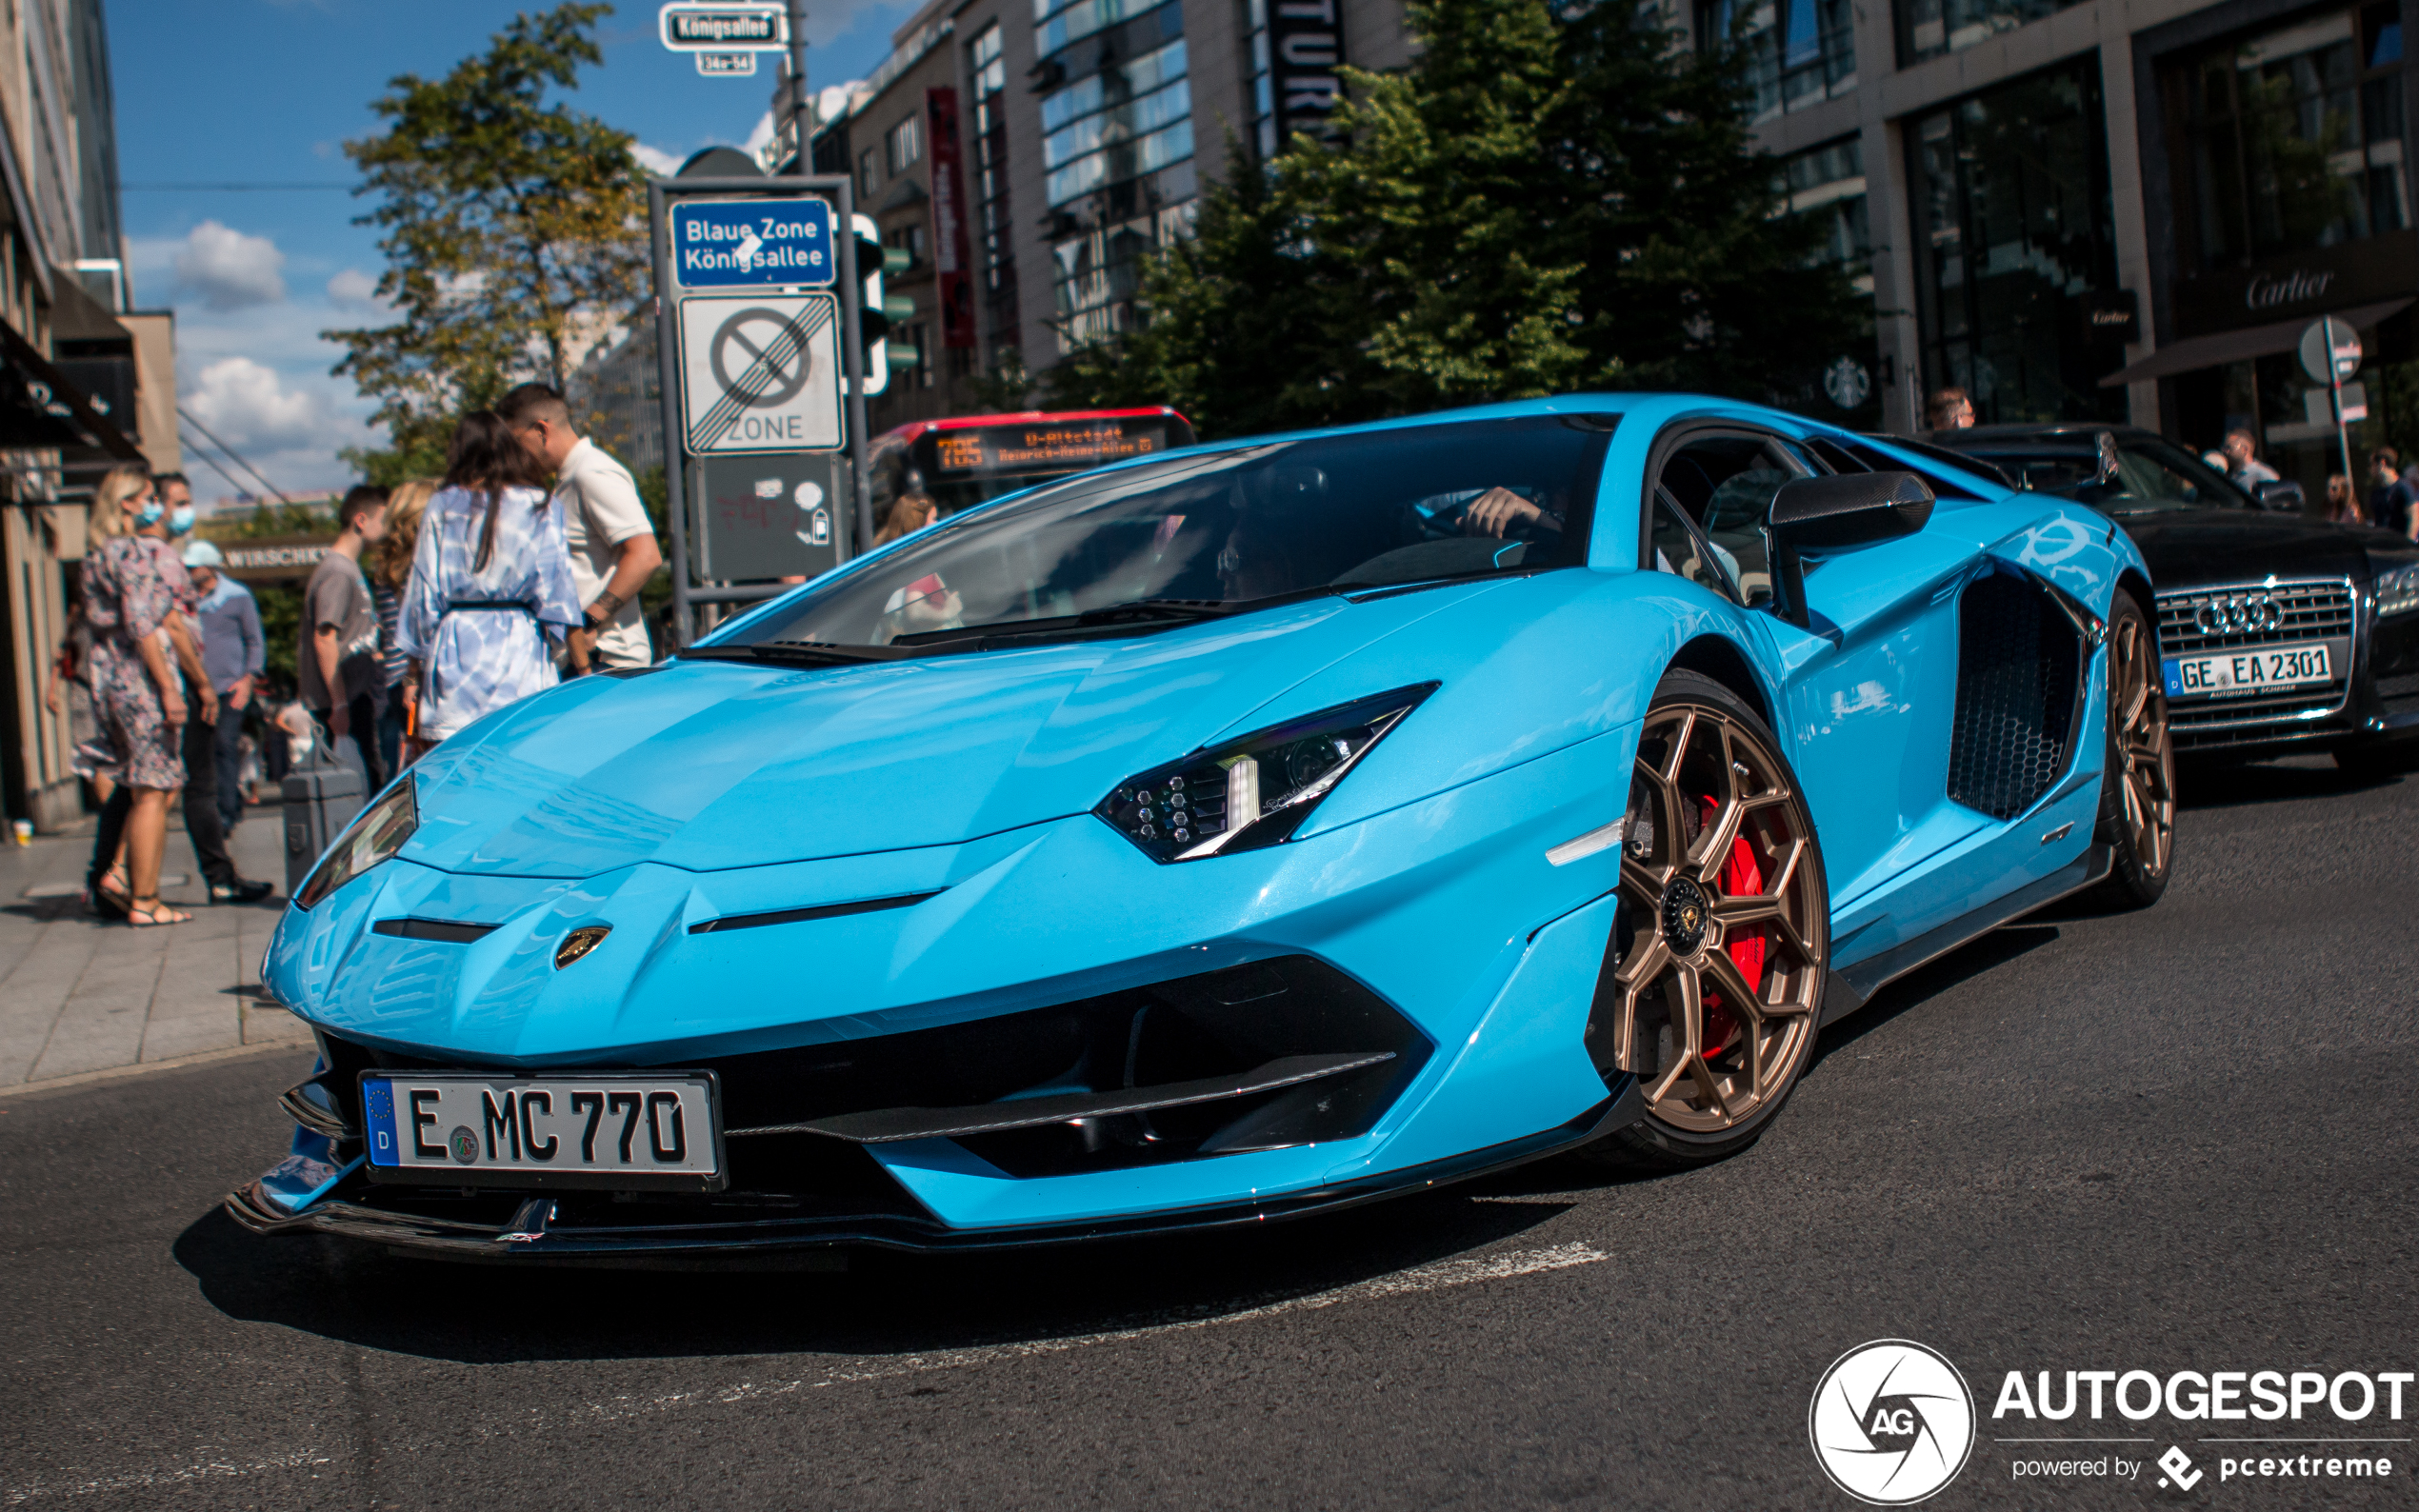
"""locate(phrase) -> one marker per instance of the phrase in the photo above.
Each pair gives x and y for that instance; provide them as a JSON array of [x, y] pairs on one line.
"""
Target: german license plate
[[635, 1132], [2252, 669]]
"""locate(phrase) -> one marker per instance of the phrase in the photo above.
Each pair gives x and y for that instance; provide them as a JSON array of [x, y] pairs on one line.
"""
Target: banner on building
[[949, 220]]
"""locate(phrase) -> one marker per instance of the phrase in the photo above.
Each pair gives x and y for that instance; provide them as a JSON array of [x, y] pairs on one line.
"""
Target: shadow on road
[[885, 1304], [1925, 983], [2215, 786]]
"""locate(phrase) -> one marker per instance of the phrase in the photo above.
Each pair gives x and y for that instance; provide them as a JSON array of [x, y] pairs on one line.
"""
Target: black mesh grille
[[2018, 662]]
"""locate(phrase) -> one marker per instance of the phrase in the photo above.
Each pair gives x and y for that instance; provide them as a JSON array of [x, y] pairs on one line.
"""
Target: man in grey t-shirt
[[337, 662]]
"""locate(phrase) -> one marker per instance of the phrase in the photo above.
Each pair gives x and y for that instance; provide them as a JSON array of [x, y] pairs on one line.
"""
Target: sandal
[[114, 889], [152, 915]]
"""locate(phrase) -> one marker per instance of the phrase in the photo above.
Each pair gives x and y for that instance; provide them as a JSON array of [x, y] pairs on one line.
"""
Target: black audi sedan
[[2277, 633]]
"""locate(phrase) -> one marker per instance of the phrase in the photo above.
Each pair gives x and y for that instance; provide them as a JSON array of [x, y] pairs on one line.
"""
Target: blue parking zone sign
[[752, 243]]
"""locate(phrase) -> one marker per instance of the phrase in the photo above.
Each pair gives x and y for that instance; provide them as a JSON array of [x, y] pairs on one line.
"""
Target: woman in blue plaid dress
[[490, 596]]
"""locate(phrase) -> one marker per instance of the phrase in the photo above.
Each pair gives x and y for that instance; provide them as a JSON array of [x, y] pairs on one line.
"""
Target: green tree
[[1549, 199], [512, 228]]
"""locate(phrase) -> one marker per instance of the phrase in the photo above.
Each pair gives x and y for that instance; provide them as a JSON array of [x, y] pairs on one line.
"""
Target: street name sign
[[688, 27], [726, 64], [760, 373], [753, 244]]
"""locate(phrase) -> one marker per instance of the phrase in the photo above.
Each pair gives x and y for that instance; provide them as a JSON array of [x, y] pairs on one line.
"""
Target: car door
[[1867, 689]]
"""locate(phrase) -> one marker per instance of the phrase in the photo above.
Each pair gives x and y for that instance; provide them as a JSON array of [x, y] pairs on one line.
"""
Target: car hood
[[709, 766], [2189, 548]]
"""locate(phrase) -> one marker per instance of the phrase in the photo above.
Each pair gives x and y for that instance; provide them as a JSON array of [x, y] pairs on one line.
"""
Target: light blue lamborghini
[[1234, 833]]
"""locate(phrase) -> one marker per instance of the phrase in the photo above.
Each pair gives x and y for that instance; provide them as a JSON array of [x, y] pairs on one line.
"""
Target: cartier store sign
[[2304, 284]]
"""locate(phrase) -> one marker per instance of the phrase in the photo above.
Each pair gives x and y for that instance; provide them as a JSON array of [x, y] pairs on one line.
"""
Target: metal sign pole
[[2335, 386], [667, 379], [798, 113]]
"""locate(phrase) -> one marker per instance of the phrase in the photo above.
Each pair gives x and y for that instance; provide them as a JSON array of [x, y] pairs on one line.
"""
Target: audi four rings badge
[[2237, 613]]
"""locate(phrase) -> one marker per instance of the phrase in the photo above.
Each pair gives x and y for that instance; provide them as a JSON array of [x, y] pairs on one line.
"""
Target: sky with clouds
[[267, 91]]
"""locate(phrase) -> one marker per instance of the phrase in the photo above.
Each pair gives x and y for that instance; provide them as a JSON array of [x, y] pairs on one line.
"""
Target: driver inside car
[[1499, 512]]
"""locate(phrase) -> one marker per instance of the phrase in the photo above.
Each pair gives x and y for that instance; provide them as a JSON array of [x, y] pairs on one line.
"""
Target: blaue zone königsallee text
[[752, 243]]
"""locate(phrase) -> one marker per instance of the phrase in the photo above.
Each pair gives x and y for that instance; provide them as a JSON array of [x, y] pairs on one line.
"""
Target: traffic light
[[879, 312]]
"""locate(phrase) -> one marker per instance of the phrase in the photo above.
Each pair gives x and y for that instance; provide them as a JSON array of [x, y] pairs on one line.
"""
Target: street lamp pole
[[800, 123]]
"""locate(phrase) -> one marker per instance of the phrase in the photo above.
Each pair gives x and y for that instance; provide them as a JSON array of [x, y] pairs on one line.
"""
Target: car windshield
[[2149, 475], [1213, 533]]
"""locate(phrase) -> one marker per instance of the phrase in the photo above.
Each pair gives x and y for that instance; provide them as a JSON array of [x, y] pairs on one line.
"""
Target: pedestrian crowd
[[440, 601]]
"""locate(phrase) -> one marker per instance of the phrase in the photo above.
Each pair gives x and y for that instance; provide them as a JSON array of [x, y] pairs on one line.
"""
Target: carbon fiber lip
[[705, 1243]]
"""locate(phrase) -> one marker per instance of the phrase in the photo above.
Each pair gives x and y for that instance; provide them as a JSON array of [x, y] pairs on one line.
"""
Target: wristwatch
[[602, 610]]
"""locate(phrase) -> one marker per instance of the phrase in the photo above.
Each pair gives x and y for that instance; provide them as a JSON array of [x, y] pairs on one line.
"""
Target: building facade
[[1029, 158], [85, 381], [2121, 210], [2118, 209]]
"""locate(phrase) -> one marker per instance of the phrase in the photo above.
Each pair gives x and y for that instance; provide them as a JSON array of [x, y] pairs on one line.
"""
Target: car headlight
[[379, 832], [1254, 790], [2397, 588]]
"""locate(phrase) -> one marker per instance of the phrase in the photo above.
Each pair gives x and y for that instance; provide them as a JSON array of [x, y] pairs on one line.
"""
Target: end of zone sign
[[760, 373], [752, 243]]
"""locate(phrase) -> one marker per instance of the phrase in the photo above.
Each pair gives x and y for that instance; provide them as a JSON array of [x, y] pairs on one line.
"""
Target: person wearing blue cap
[[232, 659]]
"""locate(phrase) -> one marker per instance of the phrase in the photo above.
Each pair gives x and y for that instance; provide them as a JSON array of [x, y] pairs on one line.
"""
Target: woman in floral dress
[[490, 595], [132, 590]]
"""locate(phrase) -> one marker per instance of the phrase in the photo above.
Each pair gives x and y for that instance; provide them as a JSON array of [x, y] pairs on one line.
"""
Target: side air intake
[[2019, 685]]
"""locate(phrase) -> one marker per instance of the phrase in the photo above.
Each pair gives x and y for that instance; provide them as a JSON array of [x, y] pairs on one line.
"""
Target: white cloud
[[230, 270], [246, 404], [352, 288], [655, 160], [833, 102], [761, 134]]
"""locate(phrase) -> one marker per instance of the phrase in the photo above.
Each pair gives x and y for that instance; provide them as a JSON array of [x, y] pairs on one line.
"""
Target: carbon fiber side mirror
[[1836, 514]]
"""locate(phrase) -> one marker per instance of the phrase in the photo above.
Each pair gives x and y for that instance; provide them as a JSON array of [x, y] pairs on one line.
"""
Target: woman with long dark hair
[[490, 595]]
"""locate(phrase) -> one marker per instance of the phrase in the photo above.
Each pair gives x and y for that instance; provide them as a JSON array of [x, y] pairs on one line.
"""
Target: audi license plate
[[2252, 669], [631, 1133]]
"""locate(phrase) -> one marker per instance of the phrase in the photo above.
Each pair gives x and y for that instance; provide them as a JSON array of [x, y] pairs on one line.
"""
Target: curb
[[27, 1090]]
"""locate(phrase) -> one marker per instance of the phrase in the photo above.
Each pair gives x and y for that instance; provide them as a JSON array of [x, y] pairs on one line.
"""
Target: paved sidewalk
[[78, 995]]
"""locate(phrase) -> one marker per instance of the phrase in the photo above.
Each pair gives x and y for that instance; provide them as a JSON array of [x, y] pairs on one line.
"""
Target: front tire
[[1718, 995], [2137, 787]]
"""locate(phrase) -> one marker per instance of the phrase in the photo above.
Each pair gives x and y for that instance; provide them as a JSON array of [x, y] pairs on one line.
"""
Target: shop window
[[2011, 208], [2292, 139], [1825, 185]]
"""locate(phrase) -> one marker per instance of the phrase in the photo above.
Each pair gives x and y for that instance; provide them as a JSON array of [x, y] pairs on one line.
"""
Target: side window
[[1679, 549], [1725, 484]]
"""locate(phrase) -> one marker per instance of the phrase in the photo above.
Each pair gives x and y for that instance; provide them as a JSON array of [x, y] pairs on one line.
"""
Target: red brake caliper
[[1742, 877]]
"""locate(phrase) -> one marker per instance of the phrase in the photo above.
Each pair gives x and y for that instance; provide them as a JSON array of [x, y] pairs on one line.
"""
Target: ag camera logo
[[1892, 1422]]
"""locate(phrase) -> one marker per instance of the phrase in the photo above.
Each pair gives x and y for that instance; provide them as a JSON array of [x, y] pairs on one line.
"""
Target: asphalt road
[[2173, 1139]]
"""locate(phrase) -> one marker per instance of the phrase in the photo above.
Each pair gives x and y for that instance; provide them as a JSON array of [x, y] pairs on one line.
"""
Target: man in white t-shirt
[[611, 541]]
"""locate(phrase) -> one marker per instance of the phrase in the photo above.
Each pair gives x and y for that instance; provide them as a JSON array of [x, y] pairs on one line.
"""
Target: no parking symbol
[[760, 373]]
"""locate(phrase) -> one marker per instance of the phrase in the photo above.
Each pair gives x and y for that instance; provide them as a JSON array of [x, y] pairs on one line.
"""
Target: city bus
[[967, 460]]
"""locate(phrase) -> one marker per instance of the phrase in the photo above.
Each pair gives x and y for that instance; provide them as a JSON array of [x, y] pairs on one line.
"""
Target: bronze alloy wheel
[[1715, 1003], [2138, 796]]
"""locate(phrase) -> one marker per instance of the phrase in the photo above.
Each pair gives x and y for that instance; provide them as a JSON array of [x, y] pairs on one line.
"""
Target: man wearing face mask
[[205, 820]]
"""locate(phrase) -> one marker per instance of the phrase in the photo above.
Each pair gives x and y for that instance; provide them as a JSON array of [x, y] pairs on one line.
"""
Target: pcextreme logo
[[1892, 1422]]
